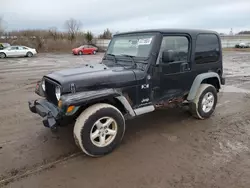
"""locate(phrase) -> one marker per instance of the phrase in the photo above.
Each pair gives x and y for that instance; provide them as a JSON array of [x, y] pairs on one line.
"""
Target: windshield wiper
[[131, 57], [112, 56]]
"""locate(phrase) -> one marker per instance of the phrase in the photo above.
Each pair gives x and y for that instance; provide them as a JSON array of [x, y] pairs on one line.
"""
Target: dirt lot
[[167, 148]]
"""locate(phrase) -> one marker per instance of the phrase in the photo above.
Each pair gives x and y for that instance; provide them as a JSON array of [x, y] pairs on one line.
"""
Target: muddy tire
[[2, 55], [29, 54], [99, 129], [205, 102]]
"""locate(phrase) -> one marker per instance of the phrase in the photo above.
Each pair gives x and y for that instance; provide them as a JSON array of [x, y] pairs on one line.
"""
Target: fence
[[229, 41], [102, 43]]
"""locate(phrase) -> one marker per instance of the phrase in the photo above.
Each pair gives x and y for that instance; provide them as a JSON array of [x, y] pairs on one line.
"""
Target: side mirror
[[168, 56]]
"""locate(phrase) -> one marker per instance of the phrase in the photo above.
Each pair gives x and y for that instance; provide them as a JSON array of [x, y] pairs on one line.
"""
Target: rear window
[[207, 48]]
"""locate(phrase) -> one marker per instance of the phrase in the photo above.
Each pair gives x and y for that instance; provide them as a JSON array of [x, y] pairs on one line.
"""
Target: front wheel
[[94, 52], [2, 55], [99, 129], [205, 102]]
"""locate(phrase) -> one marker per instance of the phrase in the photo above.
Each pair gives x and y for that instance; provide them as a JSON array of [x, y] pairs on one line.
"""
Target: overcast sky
[[124, 15]]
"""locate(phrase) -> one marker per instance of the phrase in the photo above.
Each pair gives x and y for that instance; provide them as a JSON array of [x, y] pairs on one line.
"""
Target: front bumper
[[48, 111], [74, 52]]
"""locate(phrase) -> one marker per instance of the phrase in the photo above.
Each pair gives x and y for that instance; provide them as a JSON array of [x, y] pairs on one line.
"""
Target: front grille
[[50, 91]]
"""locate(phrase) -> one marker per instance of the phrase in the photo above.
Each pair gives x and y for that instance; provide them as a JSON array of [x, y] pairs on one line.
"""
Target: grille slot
[[50, 91]]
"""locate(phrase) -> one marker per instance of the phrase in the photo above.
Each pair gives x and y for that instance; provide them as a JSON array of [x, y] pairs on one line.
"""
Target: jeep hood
[[94, 76]]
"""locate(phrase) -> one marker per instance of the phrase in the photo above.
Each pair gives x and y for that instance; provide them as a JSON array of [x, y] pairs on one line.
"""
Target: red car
[[85, 49]]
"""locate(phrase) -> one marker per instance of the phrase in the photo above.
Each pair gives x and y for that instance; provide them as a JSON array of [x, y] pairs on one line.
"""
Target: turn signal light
[[70, 109]]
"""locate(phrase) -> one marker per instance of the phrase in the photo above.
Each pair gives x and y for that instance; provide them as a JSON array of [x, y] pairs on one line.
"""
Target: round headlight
[[58, 92], [43, 85]]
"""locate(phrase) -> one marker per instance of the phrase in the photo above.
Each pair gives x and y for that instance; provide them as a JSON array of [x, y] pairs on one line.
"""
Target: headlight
[[43, 85], [58, 92]]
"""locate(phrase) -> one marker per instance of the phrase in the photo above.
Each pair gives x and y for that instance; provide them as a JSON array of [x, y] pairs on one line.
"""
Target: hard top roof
[[170, 30]]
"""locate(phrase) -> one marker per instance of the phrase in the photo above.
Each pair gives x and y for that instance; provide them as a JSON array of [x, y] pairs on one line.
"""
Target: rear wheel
[[99, 129], [205, 102], [29, 54], [80, 53], [2, 55]]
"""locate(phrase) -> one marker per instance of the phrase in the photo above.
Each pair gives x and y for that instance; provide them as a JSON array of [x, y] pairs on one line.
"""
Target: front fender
[[85, 97]]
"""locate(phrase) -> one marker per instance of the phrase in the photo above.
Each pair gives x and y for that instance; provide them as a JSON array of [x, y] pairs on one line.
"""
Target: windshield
[[138, 45], [6, 48]]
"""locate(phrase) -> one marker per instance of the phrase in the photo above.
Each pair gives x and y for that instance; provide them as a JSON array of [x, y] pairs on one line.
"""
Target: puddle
[[233, 89]]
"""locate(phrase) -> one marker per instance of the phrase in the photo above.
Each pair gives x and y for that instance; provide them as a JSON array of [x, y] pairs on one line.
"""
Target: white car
[[17, 51], [243, 45]]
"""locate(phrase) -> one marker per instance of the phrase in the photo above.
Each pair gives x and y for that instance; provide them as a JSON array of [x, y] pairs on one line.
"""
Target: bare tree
[[53, 33], [1, 26], [73, 27]]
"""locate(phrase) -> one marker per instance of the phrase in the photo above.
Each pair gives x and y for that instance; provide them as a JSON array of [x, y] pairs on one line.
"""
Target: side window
[[179, 44], [14, 48], [207, 49]]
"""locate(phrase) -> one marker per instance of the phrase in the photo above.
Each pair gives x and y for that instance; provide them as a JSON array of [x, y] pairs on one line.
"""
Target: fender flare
[[197, 82], [85, 97]]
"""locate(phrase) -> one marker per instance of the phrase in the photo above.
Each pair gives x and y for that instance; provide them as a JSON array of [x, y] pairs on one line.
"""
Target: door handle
[[185, 67]]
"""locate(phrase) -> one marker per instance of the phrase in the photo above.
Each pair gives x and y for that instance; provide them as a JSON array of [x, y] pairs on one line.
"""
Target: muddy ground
[[167, 148]]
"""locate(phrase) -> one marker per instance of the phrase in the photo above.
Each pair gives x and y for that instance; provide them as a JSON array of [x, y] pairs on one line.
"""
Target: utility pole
[[231, 31]]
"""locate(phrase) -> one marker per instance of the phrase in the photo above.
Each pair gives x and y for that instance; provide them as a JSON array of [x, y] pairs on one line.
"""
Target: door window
[[22, 48], [178, 44], [14, 48]]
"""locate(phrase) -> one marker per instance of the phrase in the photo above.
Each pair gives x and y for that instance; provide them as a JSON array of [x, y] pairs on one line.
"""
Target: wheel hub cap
[[208, 102], [103, 131]]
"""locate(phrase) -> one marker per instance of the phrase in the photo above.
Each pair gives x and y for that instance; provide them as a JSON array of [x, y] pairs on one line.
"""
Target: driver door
[[11, 51], [173, 79]]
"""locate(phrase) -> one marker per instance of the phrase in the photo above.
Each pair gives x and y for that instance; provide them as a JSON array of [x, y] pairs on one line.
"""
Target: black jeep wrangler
[[140, 72]]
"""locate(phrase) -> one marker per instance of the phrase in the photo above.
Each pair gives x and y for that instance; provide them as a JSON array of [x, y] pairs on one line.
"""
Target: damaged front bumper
[[48, 111]]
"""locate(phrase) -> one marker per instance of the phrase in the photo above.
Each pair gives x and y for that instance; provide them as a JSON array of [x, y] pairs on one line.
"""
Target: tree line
[[53, 39]]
